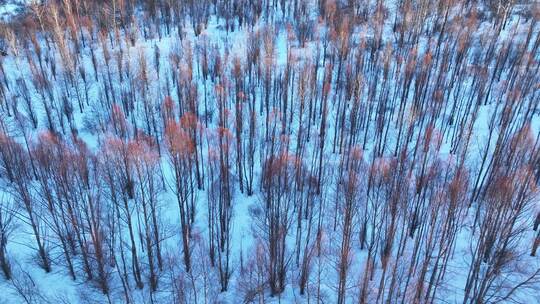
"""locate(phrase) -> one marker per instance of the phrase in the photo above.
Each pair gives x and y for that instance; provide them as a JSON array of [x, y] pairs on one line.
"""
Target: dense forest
[[270, 151]]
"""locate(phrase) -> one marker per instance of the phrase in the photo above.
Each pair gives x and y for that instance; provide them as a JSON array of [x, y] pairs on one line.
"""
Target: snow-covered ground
[[12, 8]]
